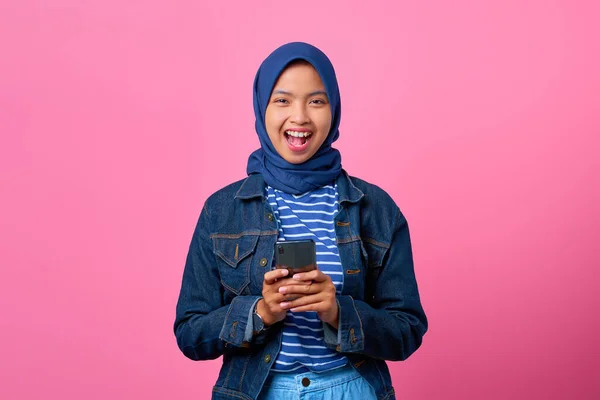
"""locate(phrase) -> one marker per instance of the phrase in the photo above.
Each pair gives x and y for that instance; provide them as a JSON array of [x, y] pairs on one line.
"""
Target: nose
[[299, 114]]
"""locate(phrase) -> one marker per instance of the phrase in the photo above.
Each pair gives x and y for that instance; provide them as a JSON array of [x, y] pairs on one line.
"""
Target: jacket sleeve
[[206, 328], [391, 326]]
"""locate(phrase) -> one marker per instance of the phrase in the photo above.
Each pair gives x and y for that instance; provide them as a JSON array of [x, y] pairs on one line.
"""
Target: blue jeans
[[343, 383]]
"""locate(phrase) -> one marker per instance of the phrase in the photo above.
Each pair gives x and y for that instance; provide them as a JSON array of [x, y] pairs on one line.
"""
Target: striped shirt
[[308, 216]]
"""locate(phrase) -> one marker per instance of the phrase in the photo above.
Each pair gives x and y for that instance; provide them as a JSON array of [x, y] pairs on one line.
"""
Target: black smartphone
[[296, 255]]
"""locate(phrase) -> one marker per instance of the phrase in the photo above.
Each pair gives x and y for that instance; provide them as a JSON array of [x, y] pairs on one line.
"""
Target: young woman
[[322, 334]]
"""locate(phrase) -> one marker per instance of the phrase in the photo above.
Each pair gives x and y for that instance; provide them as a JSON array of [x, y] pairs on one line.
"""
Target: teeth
[[298, 134]]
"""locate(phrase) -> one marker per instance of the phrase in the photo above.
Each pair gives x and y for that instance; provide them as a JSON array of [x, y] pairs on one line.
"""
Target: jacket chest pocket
[[234, 256], [373, 254]]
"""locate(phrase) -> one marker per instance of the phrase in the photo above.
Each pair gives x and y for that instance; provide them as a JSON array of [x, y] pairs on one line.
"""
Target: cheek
[[324, 122], [274, 120]]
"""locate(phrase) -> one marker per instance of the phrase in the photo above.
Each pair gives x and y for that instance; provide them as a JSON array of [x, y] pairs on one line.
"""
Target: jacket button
[[352, 337], [263, 262], [270, 217], [267, 358], [305, 382]]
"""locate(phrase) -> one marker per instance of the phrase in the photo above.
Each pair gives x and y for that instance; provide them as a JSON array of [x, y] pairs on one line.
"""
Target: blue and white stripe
[[308, 216]]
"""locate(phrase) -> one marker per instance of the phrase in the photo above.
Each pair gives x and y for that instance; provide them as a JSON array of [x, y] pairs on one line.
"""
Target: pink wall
[[119, 118]]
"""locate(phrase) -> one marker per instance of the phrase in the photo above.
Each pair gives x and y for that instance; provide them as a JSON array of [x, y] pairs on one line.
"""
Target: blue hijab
[[326, 164]]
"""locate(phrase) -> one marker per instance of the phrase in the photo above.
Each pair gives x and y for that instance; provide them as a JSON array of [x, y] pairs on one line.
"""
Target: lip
[[297, 130]]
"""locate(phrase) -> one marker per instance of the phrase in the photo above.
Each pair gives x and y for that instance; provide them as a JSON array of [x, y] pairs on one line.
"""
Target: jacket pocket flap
[[232, 250]]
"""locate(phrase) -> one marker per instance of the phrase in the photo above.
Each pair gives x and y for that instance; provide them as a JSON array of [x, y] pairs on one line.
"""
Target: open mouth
[[297, 140]]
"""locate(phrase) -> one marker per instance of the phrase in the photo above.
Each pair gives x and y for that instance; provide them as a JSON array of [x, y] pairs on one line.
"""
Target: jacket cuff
[[350, 335], [238, 320], [332, 336], [249, 332]]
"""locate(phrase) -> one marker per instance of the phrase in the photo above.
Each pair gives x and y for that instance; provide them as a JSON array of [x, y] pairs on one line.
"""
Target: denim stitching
[[380, 374], [244, 371], [228, 372], [230, 392], [241, 187], [226, 319], [376, 243], [238, 292], [244, 233], [362, 333], [348, 240]]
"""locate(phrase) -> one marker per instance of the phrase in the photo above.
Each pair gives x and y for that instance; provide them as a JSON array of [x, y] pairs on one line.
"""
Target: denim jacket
[[380, 313]]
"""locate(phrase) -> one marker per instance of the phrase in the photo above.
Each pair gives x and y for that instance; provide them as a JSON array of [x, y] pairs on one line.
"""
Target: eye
[[280, 101], [318, 101]]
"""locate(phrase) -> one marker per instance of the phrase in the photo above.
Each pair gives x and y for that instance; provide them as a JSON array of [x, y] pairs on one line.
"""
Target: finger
[[290, 296], [315, 275], [301, 301], [276, 298], [317, 307], [273, 302], [299, 289], [288, 282], [271, 276]]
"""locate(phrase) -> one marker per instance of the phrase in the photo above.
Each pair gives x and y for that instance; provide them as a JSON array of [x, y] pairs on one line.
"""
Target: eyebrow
[[281, 91]]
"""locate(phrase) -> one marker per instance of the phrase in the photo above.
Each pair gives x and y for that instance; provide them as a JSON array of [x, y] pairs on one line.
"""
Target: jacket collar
[[347, 191], [254, 186]]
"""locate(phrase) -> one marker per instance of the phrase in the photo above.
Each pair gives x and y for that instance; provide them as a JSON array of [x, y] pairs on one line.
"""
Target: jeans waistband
[[306, 381]]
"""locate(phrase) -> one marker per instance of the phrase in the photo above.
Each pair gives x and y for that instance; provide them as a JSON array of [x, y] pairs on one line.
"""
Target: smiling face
[[298, 116]]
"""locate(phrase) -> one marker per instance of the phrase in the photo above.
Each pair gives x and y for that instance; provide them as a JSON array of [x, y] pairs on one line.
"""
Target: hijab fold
[[326, 164]]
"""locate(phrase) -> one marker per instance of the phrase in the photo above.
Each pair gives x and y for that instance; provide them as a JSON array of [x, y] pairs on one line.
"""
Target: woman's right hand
[[269, 307]]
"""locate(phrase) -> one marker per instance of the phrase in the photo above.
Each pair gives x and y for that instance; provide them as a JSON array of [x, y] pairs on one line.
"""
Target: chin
[[294, 159]]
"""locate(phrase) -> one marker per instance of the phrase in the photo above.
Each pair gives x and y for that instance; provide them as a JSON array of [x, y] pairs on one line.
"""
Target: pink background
[[119, 118]]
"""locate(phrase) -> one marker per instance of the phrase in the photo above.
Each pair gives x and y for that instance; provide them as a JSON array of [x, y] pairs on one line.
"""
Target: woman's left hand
[[318, 296]]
